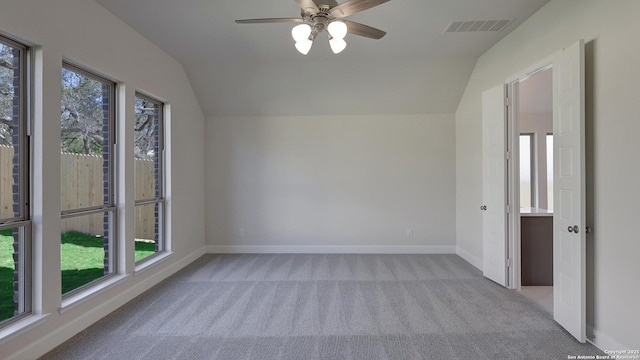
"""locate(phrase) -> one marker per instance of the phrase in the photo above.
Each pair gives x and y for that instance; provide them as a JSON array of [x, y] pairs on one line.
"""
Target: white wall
[[83, 32], [334, 183], [610, 30]]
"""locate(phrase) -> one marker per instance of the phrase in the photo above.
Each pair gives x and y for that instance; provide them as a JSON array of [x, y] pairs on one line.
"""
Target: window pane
[[148, 230], [148, 177], [14, 274], [13, 194], [83, 249], [148, 136], [525, 171], [15, 236], [85, 140], [550, 172], [87, 128]]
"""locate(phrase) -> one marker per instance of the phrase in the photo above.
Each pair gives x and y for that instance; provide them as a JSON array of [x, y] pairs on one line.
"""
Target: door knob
[[570, 229], [483, 207], [573, 229]]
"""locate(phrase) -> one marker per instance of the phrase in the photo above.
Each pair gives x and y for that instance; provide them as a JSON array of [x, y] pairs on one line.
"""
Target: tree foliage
[[145, 133], [82, 114], [83, 118], [6, 94]]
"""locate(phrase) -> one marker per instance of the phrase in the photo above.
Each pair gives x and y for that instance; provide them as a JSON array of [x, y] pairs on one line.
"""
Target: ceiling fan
[[320, 15]]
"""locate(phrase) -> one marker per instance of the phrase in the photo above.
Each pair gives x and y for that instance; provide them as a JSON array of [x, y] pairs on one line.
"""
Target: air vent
[[477, 25]]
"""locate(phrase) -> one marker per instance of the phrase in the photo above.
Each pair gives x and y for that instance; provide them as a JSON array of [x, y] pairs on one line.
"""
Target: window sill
[[145, 264], [20, 327], [88, 294]]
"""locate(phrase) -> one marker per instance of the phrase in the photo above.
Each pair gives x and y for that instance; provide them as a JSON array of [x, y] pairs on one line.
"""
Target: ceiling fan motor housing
[[320, 20]]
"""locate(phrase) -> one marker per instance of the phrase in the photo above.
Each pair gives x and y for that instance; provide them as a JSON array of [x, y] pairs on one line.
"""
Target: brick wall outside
[[106, 158], [17, 148], [157, 173]]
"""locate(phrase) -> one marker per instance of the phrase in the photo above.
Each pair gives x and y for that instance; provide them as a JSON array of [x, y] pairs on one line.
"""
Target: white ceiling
[[254, 70]]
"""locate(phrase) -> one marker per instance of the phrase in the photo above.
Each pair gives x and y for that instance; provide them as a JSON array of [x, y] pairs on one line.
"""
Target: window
[[550, 172], [15, 215], [87, 178], [526, 170], [149, 173]]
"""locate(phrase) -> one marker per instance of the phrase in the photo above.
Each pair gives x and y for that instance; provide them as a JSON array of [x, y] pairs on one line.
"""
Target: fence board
[[81, 180], [6, 182]]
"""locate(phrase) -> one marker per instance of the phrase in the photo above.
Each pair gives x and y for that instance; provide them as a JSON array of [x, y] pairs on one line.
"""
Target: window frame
[[111, 207], [23, 223], [159, 198]]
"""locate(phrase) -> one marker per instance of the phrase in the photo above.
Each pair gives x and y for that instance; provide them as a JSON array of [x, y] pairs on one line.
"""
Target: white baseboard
[[473, 260], [48, 342], [329, 249], [603, 341]]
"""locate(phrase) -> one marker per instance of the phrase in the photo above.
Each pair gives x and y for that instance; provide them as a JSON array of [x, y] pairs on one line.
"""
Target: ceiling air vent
[[477, 25]]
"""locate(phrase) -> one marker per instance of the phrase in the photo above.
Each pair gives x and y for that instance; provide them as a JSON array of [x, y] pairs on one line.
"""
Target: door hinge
[[508, 209], [507, 101], [509, 263], [507, 155]]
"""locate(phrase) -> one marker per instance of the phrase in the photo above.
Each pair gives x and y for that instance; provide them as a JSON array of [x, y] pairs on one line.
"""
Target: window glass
[[87, 181], [82, 249], [15, 222], [149, 165], [526, 182]]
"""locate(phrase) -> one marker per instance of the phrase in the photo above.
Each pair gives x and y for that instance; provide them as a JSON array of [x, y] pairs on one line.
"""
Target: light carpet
[[326, 306]]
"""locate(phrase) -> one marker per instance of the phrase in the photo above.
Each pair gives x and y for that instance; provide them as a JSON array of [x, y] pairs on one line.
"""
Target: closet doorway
[[534, 126]]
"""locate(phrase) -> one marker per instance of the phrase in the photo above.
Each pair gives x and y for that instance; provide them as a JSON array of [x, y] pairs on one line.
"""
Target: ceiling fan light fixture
[[337, 45], [303, 46], [317, 17], [337, 29], [301, 32]]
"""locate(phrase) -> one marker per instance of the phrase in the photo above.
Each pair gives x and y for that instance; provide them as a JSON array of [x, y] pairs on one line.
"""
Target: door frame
[[514, 248], [568, 313]]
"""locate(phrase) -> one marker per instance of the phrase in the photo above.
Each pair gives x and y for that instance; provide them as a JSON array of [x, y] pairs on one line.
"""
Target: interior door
[[569, 245], [494, 222]]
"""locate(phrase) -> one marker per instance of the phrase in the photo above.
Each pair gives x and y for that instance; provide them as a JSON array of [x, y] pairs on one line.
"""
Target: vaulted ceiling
[[254, 70]]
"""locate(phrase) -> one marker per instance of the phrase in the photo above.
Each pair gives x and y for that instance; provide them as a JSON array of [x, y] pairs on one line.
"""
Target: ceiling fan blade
[[363, 30], [269, 20], [354, 6], [308, 6]]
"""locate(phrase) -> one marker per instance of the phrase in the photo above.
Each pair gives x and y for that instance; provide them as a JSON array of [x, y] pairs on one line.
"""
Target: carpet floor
[[317, 307]]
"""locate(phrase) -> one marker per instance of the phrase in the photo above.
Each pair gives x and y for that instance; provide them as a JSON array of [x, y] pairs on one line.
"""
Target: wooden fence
[[6, 182], [81, 185]]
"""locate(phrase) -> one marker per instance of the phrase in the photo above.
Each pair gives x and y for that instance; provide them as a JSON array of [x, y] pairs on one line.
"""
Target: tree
[[82, 114], [82, 118], [145, 129], [6, 95]]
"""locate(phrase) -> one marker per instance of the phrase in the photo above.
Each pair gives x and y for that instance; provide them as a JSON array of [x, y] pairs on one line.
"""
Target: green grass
[[82, 261], [6, 274]]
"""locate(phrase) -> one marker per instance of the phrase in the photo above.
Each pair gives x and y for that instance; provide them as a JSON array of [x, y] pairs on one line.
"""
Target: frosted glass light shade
[[337, 45], [301, 32], [337, 29], [303, 46]]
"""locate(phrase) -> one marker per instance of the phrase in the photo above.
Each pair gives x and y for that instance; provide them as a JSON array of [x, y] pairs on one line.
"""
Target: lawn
[[82, 261]]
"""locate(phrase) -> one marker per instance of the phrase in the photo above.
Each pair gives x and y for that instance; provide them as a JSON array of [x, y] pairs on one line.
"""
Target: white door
[[569, 235], [494, 222]]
